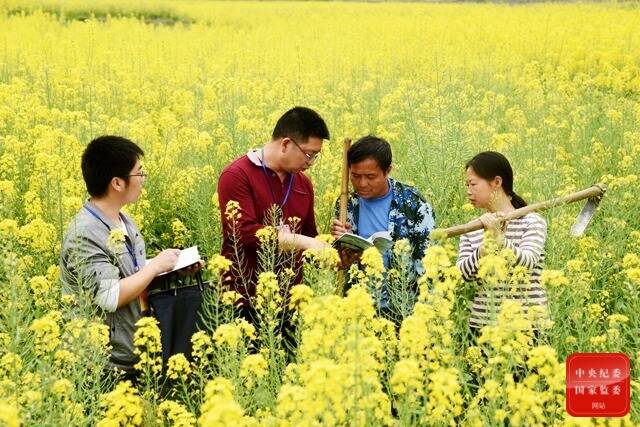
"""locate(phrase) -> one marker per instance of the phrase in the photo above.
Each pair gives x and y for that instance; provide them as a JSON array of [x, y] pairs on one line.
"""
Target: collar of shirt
[[254, 156], [124, 224], [101, 216]]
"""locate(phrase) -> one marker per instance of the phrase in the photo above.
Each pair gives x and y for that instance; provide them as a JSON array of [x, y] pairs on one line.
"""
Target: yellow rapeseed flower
[[595, 311], [122, 406], [444, 402], [219, 408], [407, 379], [9, 414], [326, 259], [300, 295], [267, 236], [201, 346], [116, 240], [175, 414], [40, 237], [233, 334], [9, 229], [63, 388], [268, 298], [553, 279], [41, 289], [47, 333], [148, 346], [373, 265], [253, 366], [230, 297], [181, 234], [219, 265], [232, 211], [178, 367], [10, 364]]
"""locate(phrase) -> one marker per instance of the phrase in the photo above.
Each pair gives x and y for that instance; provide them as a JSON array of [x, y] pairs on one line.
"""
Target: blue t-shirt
[[374, 214], [374, 217]]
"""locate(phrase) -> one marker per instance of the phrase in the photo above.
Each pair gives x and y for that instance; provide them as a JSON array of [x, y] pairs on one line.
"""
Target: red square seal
[[598, 385]]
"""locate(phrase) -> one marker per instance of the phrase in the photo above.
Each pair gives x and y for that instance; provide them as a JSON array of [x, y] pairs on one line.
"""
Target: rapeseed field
[[556, 87]]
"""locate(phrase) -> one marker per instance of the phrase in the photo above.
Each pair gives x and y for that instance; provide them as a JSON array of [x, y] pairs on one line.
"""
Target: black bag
[[176, 306]]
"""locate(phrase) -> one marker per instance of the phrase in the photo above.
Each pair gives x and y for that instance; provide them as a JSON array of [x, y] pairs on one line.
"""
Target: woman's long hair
[[490, 164]]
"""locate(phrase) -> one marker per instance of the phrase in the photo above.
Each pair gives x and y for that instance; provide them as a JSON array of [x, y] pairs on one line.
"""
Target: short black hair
[[300, 123], [105, 158], [371, 147]]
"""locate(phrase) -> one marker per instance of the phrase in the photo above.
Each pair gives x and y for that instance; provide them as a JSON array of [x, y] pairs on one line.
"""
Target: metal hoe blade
[[584, 217]]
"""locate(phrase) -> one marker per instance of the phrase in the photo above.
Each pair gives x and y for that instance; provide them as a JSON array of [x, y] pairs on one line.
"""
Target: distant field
[[556, 87]]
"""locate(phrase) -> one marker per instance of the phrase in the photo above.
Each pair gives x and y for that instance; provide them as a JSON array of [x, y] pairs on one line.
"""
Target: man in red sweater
[[268, 176]]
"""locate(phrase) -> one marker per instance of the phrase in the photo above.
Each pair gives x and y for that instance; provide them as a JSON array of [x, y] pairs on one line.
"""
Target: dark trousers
[[178, 312]]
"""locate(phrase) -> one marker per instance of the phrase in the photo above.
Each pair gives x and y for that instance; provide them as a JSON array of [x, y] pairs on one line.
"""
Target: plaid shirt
[[411, 217]]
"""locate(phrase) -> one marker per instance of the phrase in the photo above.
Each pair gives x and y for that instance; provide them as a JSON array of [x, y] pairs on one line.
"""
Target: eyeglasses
[[309, 158], [142, 175]]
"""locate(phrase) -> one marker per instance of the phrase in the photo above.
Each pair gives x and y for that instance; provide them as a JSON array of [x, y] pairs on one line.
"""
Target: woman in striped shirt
[[489, 180]]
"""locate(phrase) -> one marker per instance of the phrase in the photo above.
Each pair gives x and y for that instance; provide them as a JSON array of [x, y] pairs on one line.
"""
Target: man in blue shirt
[[380, 203]]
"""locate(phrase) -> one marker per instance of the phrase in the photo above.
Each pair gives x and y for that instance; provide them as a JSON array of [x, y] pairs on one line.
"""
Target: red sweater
[[244, 181]]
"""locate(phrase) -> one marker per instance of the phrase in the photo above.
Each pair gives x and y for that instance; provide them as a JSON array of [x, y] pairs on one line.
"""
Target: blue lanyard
[[129, 250], [273, 194]]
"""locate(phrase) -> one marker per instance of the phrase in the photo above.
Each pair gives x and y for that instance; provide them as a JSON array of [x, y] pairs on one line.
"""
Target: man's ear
[[118, 184], [388, 170], [284, 142]]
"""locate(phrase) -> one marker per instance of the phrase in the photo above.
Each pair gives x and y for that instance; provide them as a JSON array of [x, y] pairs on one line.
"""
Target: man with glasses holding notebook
[[103, 257], [267, 178]]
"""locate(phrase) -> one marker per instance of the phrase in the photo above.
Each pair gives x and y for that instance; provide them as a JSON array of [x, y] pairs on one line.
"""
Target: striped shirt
[[526, 237]]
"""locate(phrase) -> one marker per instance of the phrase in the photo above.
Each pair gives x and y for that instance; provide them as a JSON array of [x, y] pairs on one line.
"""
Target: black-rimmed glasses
[[142, 175], [310, 158]]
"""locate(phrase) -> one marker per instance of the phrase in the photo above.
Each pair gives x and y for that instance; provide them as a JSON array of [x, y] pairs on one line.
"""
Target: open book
[[186, 258], [381, 240]]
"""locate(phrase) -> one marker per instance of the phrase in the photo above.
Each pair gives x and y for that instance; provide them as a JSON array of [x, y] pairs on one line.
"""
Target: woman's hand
[[496, 225]]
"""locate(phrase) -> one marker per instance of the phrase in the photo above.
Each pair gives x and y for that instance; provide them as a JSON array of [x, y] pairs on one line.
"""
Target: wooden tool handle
[[344, 184], [596, 190], [344, 196]]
